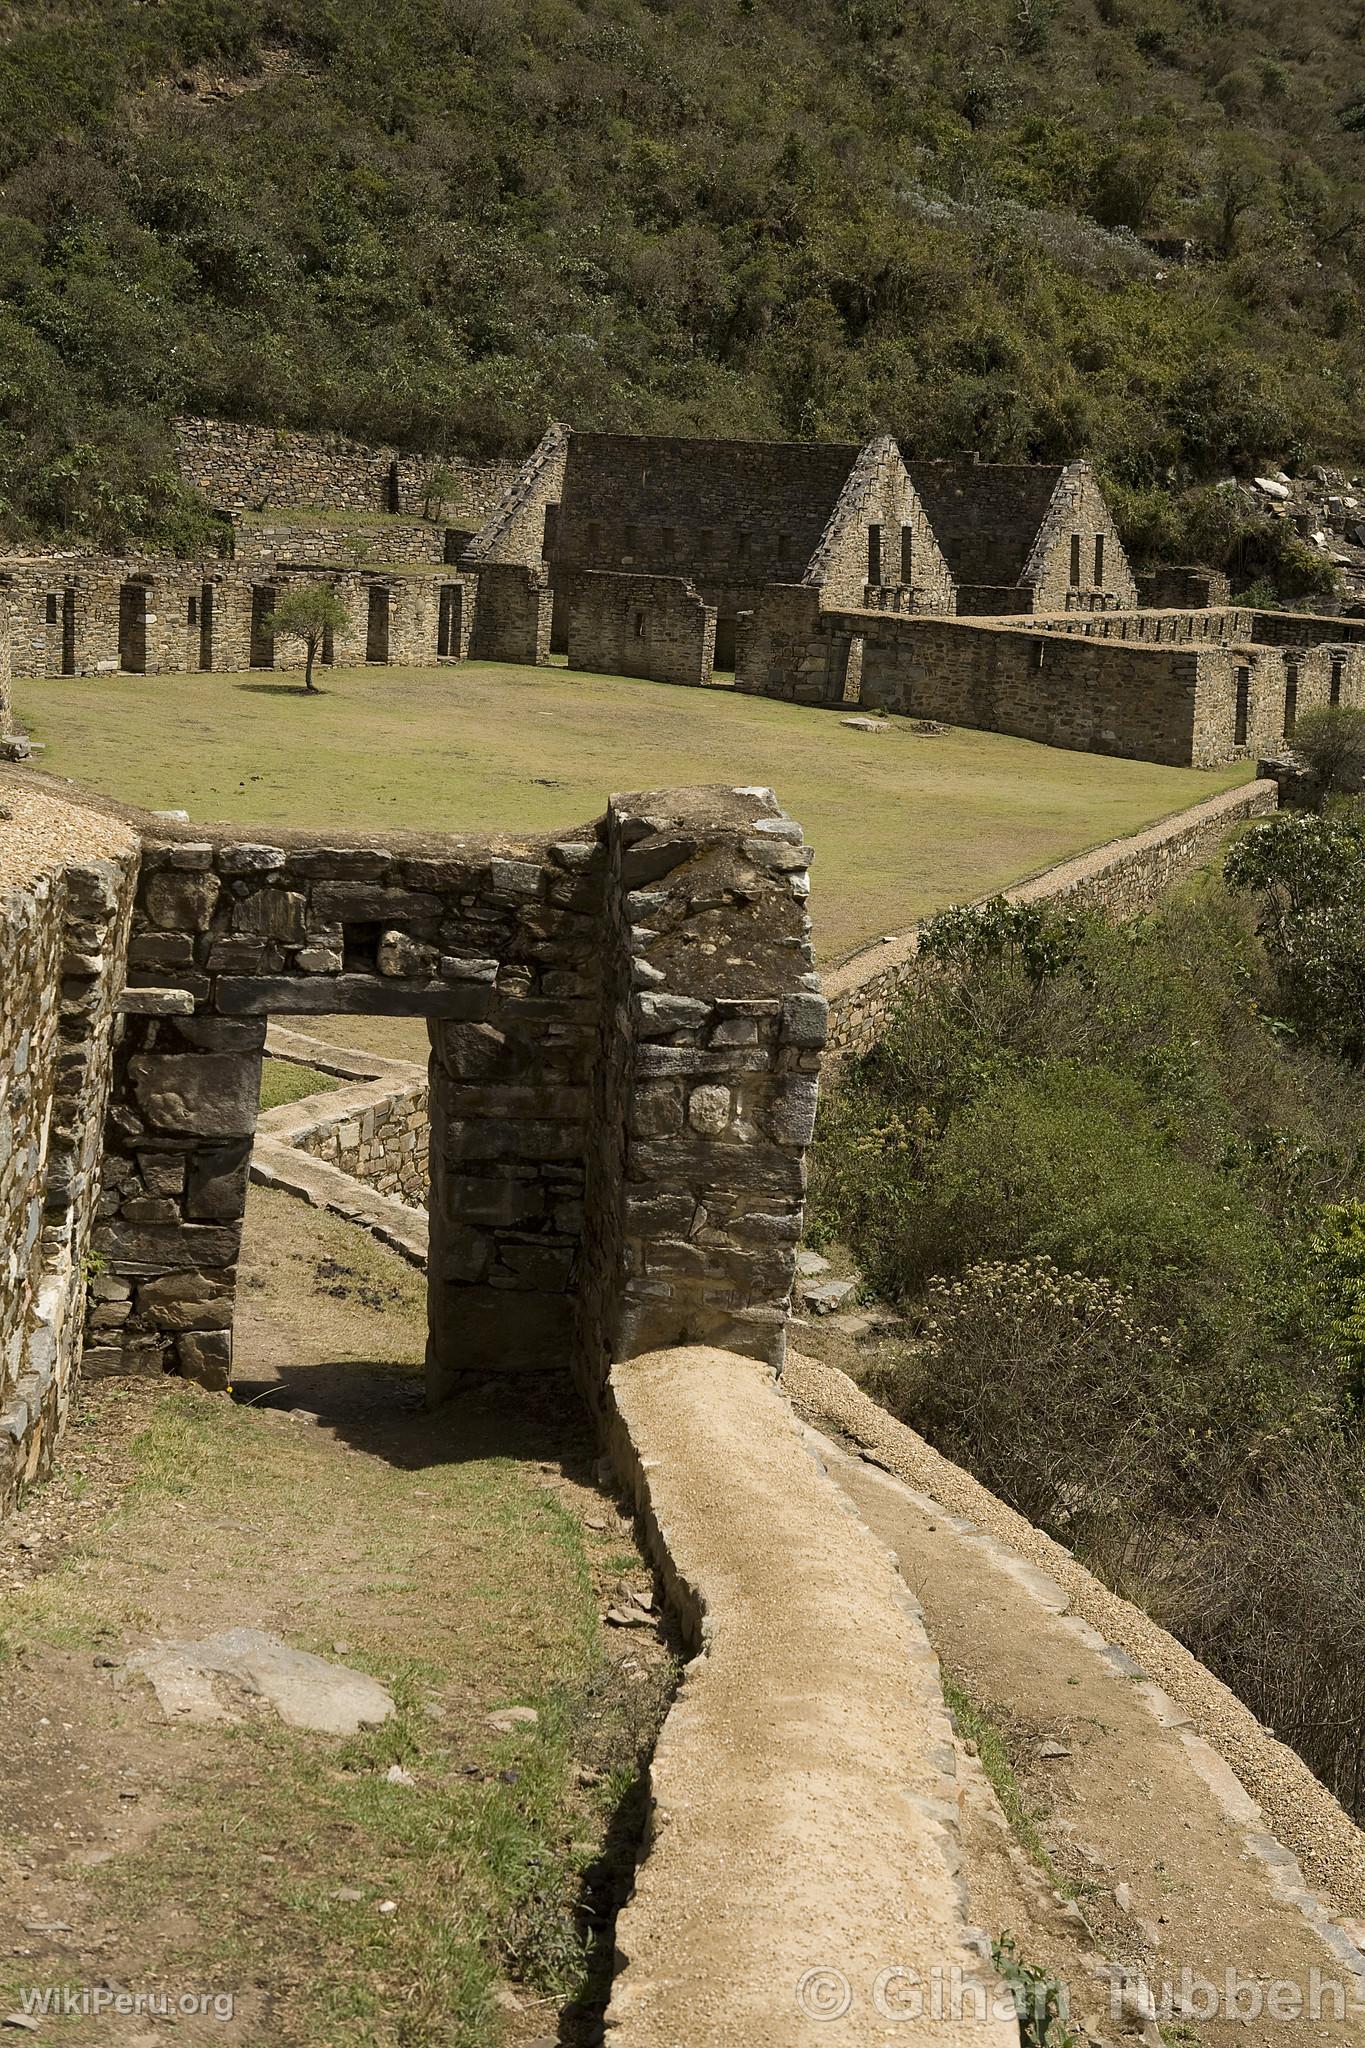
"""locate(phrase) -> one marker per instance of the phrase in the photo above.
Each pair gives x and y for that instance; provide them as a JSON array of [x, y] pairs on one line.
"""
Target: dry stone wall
[[705, 1081], [238, 466], [396, 541], [66, 884], [536, 1253], [657, 627]]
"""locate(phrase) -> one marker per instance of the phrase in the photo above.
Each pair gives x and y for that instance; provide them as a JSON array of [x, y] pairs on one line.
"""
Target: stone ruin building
[[989, 595]]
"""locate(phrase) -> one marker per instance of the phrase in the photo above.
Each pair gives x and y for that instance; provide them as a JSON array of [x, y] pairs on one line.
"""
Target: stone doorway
[[132, 628], [591, 1111], [262, 653], [206, 597], [450, 622], [377, 624]]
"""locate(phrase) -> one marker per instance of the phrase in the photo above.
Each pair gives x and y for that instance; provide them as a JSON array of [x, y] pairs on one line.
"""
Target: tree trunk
[[312, 653]]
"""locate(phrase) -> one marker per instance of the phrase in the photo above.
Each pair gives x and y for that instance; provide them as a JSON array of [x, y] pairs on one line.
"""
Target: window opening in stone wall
[[743, 546], [630, 540], [784, 547], [705, 540], [1239, 736], [52, 608], [667, 540], [448, 625], [549, 533], [1099, 559], [639, 625], [206, 626], [377, 624], [1291, 698], [193, 619], [132, 628], [262, 633], [68, 632], [1075, 561], [874, 554], [907, 554], [1334, 692]]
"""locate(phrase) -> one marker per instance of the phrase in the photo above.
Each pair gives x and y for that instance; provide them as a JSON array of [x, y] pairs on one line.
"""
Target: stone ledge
[[804, 1807], [403, 1230]]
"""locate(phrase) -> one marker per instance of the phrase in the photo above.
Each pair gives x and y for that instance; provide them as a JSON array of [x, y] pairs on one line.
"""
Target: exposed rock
[[207, 1681]]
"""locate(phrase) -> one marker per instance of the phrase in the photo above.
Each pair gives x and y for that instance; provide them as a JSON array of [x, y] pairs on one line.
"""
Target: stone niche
[[625, 1032]]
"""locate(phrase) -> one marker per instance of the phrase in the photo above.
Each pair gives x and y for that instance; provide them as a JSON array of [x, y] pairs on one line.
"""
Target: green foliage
[[445, 225], [1124, 1120], [309, 612], [1330, 741], [1338, 1256], [1040, 2001], [1308, 876], [1262, 556]]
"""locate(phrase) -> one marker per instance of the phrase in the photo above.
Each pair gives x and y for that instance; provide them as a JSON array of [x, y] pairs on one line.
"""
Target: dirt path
[[1167, 1856], [463, 1559]]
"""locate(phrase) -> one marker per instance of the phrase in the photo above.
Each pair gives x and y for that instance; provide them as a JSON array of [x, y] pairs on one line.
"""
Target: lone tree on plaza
[[309, 613]]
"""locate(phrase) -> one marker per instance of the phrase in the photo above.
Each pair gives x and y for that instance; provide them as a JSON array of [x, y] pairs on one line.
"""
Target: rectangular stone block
[[211, 1095], [368, 994]]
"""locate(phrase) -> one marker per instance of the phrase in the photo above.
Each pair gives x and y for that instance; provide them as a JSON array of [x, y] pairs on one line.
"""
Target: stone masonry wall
[[503, 947], [705, 1081], [397, 541], [380, 1138], [237, 466], [1062, 691], [513, 614], [657, 627], [66, 881], [1078, 508], [1122, 878], [70, 616], [880, 497]]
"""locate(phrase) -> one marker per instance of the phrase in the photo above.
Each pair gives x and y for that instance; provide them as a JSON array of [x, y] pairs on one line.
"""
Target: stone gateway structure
[[625, 1028]]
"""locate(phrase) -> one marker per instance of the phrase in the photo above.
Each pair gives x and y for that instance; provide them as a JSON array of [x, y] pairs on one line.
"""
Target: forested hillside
[[441, 222]]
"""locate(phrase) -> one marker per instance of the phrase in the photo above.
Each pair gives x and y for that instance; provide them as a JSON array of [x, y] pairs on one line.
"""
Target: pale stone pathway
[[1185, 1866]]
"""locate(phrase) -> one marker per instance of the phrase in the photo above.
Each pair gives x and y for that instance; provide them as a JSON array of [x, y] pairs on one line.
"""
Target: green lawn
[[901, 823]]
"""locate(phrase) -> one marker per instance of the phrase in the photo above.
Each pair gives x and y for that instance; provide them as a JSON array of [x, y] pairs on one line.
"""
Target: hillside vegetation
[[1114, 1174], [445, 221]]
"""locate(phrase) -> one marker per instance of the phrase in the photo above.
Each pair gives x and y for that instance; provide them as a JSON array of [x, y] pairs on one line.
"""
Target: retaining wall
[[1121, 878]]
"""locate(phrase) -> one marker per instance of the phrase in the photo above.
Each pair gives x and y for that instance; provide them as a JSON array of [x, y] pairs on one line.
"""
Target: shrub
[[1330, 741], [1308, 876], [1016, 1378], [1273, 1601]]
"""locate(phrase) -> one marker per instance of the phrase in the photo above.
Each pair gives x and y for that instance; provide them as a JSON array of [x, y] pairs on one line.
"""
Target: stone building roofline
[[993, 519]]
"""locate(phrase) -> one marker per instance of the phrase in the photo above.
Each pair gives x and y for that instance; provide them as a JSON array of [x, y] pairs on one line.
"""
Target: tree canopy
[[445, 222]]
